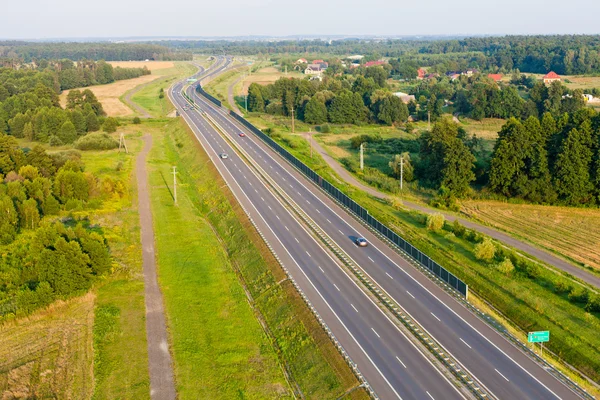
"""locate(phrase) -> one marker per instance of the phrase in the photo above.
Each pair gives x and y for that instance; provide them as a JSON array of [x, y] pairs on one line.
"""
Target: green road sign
[[538, 337]]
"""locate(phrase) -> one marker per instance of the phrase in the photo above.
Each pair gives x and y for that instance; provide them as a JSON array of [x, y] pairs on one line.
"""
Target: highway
[[373, 341]]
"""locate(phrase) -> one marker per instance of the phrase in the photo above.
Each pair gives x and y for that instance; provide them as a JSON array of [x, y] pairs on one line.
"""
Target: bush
[[506, 266], [55, 141], [593, 303], [137, 120], [324, 128], [579, 295], [458, 229], [96, 141], [485, 250], [110, 125], [435, 222]]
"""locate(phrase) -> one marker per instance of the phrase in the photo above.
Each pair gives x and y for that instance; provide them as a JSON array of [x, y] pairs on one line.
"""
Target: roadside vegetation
[[215, 330]]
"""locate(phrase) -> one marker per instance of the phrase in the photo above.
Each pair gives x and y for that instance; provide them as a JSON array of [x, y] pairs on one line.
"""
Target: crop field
[[573, 232], [109, 95], [49, 354]]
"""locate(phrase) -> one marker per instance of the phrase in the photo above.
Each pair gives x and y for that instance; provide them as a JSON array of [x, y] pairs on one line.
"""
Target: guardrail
[[424, 260], [363, 381], [436, 349]]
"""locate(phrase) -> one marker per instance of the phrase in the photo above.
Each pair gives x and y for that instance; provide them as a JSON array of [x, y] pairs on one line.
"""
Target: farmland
[[572, 232], [109, 95]]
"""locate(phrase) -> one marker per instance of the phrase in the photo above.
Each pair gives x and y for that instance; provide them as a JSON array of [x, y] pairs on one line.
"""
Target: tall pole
[[175, 184], [310, 141], [428, 120], [401, 170], [362, 160], [293, 128]]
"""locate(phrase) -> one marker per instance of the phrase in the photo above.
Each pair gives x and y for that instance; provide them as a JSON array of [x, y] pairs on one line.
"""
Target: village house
[[406, 98], [421, 73], [551, 77], [301, 61], [314, 69], [495, 77], [375, 63]]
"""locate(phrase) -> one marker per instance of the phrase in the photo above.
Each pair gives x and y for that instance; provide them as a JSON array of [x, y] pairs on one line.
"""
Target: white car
[[223, 155]]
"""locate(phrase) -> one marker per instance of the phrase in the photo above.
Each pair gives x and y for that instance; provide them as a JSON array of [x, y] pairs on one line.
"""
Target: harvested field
[[266, 76], [109, 94], [151, 65], [572, 232], [49, 355]]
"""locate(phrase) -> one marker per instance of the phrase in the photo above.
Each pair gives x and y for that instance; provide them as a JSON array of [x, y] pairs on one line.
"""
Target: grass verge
[[219, 347]]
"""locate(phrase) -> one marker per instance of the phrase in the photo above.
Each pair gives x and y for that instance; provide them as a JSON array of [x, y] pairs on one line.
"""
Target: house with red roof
[[421, 73], [495, 77], [301, 61], [551, 77], [374, 63]]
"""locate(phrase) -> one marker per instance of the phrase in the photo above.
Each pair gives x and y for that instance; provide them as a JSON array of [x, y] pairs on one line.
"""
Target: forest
[[30, 51]]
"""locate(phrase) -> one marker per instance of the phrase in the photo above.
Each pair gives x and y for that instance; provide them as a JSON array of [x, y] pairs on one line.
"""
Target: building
[[406, 98], [421, 73], [470, 72], [551, 77], [453, 75], [495, 77], [356, 57], [301, 61], [314, 69], [375, 63]]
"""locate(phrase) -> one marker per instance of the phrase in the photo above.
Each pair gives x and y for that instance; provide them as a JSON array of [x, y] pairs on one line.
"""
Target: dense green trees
[[445, 161], [549, 160]]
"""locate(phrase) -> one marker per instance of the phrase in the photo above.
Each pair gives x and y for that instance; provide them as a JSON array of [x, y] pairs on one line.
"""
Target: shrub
[[435, 222], [96, 141], [593, 303], [55, 141], [506, 266], [485, 250], [458, 229], [137, 120], [325, 128], [579, 295], [110, 125]]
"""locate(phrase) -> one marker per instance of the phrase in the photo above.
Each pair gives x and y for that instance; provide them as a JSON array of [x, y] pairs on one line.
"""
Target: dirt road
[[162, 385]]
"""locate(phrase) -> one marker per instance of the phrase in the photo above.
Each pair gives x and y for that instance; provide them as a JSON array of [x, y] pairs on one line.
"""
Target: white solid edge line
[[363, 293]]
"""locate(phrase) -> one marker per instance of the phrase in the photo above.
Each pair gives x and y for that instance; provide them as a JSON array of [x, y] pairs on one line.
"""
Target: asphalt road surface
[[386, 358]]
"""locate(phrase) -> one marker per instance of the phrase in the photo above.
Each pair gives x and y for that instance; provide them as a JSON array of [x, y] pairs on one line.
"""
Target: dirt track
[[162, 385]]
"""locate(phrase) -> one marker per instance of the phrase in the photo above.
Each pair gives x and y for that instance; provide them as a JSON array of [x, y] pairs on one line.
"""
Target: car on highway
[[242, 134], [223, 155], [361, 242]]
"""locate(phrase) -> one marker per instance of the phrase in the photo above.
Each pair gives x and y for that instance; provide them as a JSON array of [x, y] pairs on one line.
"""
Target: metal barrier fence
[[357, 209], [208, 96]]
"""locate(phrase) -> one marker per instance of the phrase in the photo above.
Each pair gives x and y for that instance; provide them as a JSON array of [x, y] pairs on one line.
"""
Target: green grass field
[[147, 97], [220, 349]]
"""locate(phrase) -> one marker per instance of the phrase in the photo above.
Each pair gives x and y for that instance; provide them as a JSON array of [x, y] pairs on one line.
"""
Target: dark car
[[361, 242], [242, 134]]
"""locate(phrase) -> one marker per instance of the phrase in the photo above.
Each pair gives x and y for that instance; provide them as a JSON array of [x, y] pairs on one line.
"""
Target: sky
[[46, 19]]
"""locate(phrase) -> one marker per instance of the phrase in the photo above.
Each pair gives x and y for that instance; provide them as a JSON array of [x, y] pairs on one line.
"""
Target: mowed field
[[573, 232], [109, 95], [49, 355]]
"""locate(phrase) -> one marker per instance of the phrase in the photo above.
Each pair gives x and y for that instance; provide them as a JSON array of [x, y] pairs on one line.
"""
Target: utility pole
[[175, 184], [401, 170], [428, 120], [362, 158], [122, 142], [293, 128], [310, 141]]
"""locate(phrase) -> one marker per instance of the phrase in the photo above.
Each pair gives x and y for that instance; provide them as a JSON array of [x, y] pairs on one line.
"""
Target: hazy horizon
[[66, 19]]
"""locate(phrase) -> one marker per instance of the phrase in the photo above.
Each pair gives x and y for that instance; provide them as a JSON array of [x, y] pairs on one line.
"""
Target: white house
[[314, 69]]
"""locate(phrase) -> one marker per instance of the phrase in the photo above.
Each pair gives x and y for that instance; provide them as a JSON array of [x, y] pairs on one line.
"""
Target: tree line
[[43, 259], [548, 160], [347, 99], [31, 52], [30, 108]]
